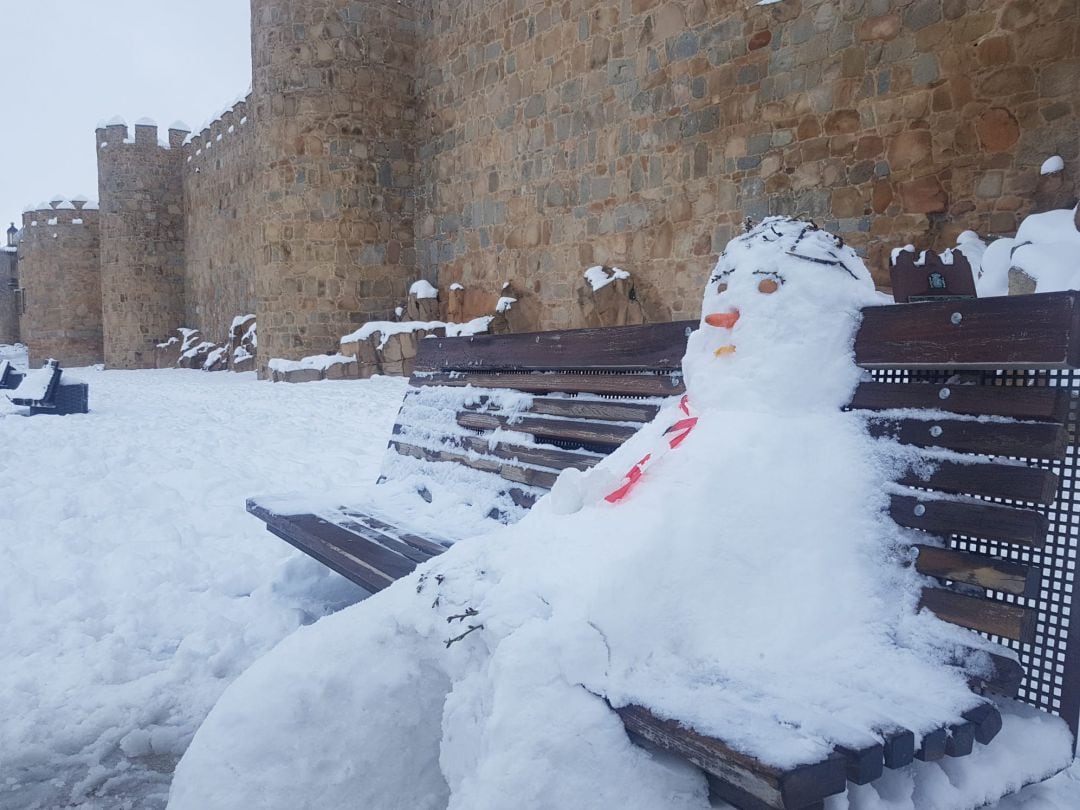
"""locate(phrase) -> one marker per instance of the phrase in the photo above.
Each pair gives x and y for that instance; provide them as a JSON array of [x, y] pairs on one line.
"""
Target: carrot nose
[[723, 320]]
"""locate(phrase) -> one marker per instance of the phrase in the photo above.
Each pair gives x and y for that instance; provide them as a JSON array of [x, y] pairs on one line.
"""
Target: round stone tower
[[334, 98], [142, 240], [60, 274]]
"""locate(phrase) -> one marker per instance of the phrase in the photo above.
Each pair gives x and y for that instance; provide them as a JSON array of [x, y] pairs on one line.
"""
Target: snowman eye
[[768, 285]]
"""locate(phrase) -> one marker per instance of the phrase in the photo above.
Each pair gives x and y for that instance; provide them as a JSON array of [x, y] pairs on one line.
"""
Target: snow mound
[[749, 584], [1045, 248], [1052, 164]]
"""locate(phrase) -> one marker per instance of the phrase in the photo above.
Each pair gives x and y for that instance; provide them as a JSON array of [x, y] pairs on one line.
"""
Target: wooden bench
[[42, 391], [1008, 563], [9, 376]]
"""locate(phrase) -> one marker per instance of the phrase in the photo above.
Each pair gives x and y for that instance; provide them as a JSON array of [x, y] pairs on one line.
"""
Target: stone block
[[300, 375]]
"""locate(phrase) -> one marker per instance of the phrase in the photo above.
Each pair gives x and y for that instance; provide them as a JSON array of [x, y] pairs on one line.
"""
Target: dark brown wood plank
[[741, 799], [970, 518], [427, 545], [984, 615], [933, 745], [961, 741], [863, 765], [1014, 402], [652, 346], [1012, 439], [986, 720], [776, 787], [571, 430], [1005, 677], [994, 480], [1028, 331], [624, 385], [899, 748], [510, 472], [383, 538], [549, 457], [992, 573], [372, 571], [586, 409]]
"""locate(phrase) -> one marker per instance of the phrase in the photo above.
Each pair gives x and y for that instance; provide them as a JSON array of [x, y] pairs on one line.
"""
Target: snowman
[[731, 566]]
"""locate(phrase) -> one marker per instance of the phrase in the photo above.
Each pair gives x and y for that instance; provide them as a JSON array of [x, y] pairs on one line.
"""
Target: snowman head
[[783, 301]]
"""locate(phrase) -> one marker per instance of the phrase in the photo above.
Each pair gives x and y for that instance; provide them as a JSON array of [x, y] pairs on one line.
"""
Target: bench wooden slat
[[1031, 331], [654, 346], [970, 518], [992, 573], [421, 543], [588, 409], [899, 747], [986, 720], [569, 430], [778, 788], [863, 765], [961, 741], [624, 385], [1012, 439], [1014, 402], [1027, 331], [385, 539], [984, 615], [511, 472], [540, 456], [933, 745], [1012, 481]]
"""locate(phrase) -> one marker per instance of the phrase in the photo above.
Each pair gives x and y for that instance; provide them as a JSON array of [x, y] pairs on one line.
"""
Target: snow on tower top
[[146, 122], [80, 198], [66, 205], [180, 126], [116, 121]]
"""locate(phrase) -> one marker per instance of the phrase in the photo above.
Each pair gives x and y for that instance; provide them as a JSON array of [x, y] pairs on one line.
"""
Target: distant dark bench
[[9, 376], [1007, 567], [42, 391]]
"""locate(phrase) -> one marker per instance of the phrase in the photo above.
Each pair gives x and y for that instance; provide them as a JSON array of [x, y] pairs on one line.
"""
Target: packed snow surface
[[1052, 164], [134, 586], [1045, 248], [749, 585]]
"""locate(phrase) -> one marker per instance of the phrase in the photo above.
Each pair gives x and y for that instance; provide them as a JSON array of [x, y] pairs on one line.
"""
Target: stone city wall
[[60, 272], [142, 240], [559, 135], [220, 224]]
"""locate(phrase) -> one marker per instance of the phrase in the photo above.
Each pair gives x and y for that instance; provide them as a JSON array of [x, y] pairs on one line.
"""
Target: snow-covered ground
[[134, 588], [133, 585]]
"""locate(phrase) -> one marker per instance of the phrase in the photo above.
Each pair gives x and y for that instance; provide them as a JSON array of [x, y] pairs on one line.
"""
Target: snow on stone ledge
[[423, 289], [319, 361], [599, 277], [388, 328]]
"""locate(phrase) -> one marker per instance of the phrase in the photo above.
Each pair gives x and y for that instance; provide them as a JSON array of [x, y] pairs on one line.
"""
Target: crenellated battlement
[[116, 135], [58, 213], [231, 123]]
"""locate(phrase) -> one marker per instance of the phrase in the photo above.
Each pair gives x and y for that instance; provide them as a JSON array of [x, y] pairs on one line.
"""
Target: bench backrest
[[1004, 509]]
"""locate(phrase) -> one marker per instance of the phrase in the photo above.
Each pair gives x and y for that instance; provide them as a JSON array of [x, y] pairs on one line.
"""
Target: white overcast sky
[[67, 64]]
